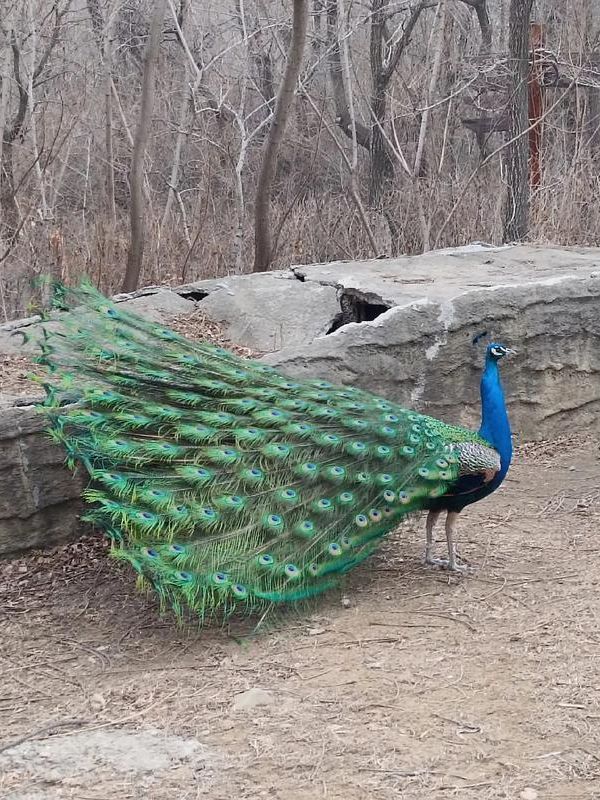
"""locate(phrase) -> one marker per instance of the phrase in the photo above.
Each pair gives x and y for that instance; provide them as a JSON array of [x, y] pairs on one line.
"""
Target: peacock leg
[[451, 520], [432, 518], [450, 563]]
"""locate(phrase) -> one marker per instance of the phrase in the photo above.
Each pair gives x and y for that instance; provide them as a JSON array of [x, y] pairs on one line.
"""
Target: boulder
[[269, 310], [417, 350]]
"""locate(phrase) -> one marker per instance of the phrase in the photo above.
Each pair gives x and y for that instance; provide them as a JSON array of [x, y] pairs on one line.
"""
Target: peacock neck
[[495, 426]]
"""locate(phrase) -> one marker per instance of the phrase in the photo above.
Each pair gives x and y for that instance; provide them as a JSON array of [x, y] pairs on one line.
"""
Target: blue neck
[[495, 427]]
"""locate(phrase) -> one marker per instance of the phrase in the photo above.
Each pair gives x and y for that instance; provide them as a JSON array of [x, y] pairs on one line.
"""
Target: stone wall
[[39, 498]]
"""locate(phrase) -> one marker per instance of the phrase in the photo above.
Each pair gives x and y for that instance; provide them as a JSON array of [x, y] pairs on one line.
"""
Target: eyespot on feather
[[220, 578], [291, 571], [274, 522], [306, 528], [239, 591]]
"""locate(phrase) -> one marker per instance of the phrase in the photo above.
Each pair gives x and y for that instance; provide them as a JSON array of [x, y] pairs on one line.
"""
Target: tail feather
[[223, 483]]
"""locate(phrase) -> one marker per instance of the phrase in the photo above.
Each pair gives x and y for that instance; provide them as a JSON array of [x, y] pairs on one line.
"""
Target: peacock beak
[[510, 352]]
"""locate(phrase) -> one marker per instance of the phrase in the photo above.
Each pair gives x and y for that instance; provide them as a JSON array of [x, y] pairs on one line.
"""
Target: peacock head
[[495, 351]]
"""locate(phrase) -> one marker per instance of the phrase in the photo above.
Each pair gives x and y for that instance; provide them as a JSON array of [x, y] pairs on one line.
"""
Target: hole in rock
[[193, 294], [356, 309]]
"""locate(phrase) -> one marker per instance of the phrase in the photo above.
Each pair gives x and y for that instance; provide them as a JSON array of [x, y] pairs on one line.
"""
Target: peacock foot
[[451, 566]]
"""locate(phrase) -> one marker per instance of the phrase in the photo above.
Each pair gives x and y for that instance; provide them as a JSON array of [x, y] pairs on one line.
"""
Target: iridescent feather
[[222, 482]]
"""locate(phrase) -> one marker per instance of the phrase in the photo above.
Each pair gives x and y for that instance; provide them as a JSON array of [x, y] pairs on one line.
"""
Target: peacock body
[[226, 484]]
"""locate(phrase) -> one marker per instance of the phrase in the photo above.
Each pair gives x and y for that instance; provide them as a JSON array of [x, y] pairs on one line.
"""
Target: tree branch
[[391, 62], [17, 124], [53, 39]]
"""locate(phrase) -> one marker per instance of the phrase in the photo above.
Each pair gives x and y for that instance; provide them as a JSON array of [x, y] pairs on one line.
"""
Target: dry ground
[[420, 686]]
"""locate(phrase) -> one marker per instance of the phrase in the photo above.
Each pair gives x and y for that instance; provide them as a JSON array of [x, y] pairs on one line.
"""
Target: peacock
[[229, 486]]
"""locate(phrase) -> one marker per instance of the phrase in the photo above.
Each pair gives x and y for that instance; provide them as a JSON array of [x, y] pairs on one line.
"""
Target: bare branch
[[402, 43], [58, 18]]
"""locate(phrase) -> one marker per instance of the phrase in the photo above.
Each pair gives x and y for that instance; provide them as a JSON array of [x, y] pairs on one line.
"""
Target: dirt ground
[[409, 684]]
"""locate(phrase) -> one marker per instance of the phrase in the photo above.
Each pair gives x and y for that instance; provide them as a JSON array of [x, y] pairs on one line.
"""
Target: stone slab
[[269, 310]]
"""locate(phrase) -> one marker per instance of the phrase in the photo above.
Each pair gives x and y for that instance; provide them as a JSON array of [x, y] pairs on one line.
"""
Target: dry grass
[[14, 375], [198, 327], [425, 686]]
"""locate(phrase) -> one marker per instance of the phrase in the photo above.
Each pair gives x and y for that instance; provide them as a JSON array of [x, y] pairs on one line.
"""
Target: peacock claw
[[444, 563]]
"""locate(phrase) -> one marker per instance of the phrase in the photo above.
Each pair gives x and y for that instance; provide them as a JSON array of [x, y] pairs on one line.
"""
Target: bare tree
[[437, 47], [136, 244], [341, 78], [346, 120], [384, 59], [262, 218], [183, 124], [13, 129], [103, 33], [516, 213]]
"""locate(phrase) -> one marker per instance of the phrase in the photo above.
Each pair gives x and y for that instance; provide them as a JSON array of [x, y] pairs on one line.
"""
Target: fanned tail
[[223, 483]]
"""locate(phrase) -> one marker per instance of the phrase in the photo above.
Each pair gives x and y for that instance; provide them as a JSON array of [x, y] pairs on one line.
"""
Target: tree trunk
[[382, 163], [592, 105], [516, 213], [485, 25], [382, 169], [342, 101], [136, 243], [107, 48], [182, 134], [11, 131], [8, 201], [262, 223], [45, 211]]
